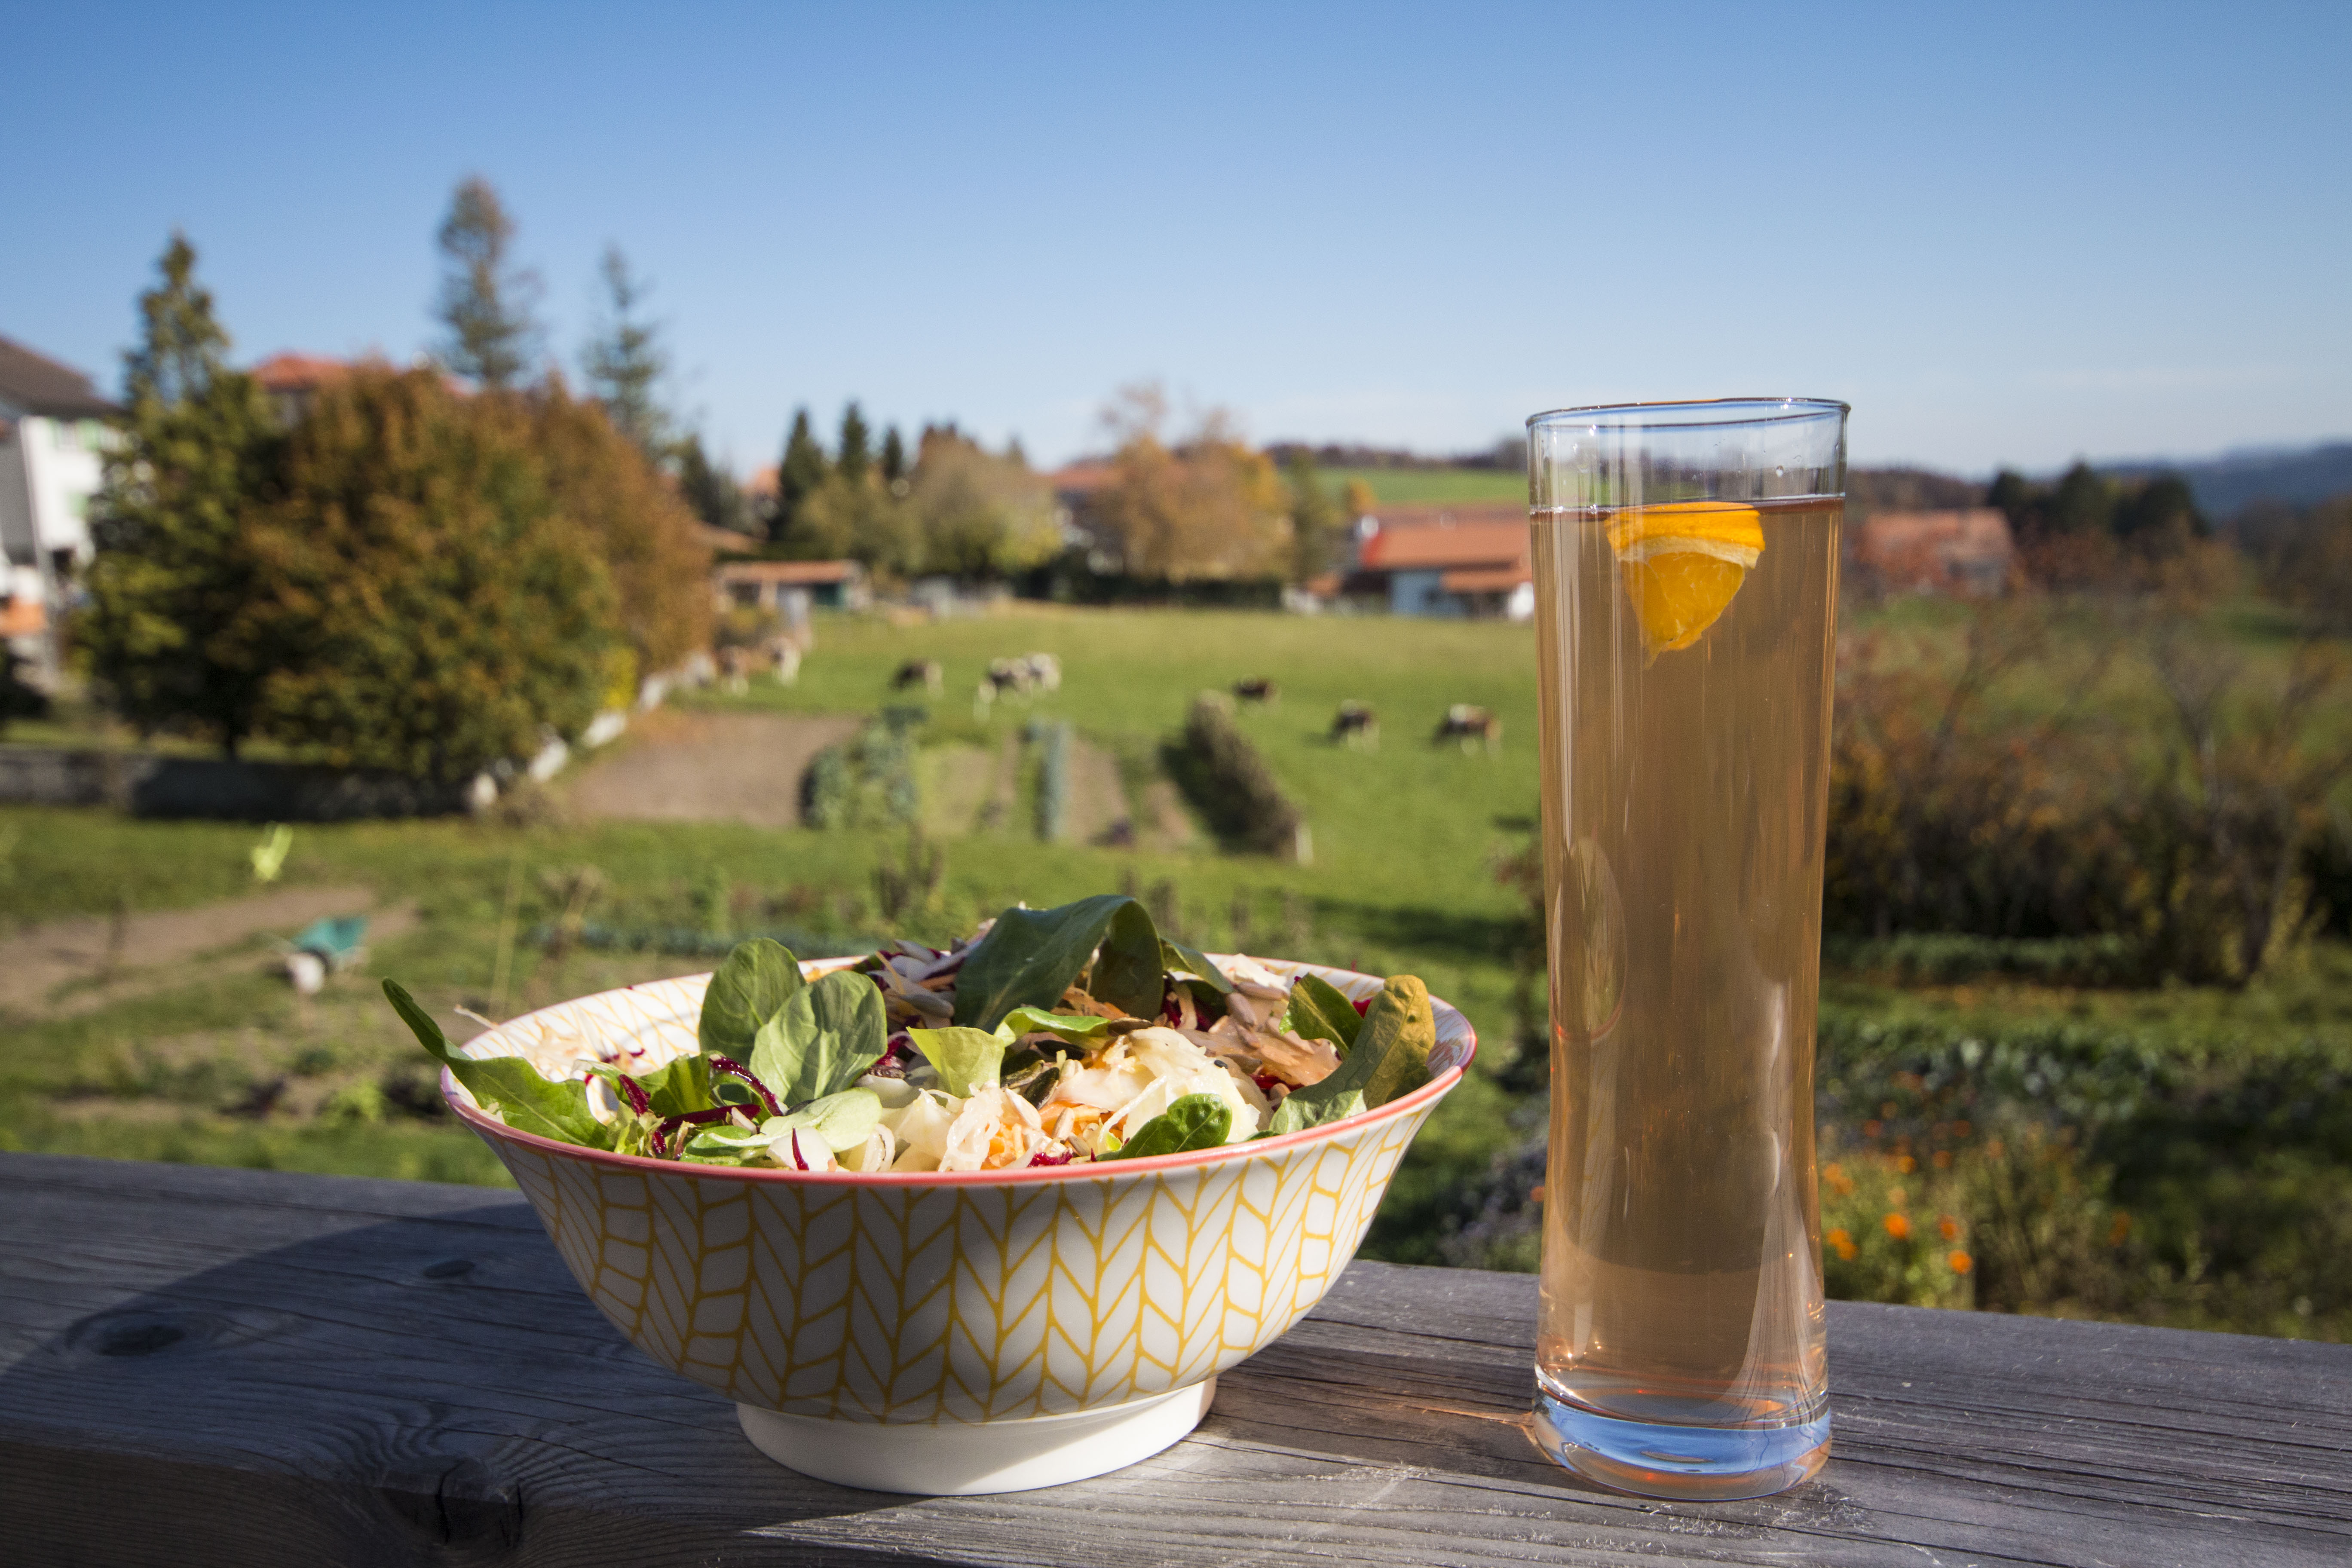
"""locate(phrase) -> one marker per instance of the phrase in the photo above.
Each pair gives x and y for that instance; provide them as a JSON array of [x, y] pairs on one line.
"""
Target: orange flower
[[2119, 1232], [1961, 1261], [1898, 1226], [1949, 1227], [1907, 1164], [1943, 1159], [1843, 1244]]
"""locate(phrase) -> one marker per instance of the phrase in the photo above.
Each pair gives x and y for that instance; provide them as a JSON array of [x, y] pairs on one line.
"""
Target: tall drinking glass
[[1686, 566]]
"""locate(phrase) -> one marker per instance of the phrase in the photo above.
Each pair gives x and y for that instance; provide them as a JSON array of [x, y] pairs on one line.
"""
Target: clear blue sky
[[2005, 233]]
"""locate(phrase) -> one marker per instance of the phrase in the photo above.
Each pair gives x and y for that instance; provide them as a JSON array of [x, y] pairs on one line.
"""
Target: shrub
[[1224, 776], [423, 605], [867, 780]]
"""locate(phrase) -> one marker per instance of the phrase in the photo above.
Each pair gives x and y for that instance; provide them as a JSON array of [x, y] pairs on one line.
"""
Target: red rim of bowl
[[1429, 1093]]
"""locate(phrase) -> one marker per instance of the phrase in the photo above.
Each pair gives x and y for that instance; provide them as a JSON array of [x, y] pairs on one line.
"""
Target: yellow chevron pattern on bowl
[[962, 1302]]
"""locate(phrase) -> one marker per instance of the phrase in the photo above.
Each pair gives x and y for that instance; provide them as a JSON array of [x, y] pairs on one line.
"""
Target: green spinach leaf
[[827, 1034], [751, 987], [1320, 1011], [1194, 1122], [509, 1087], [678, 1086], [1174, 954], [1389, 1056], [1030, 957], [966, 1060]]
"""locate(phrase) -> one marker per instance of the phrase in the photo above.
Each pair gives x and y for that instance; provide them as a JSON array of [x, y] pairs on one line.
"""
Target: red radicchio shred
[[633, 1093], [1042, 1158], [1267, 1081], [658, 1141], [896, 1056], [736, 1070], [1365, 1005], [793, 1141], [1170, 1012], [716, 1113]]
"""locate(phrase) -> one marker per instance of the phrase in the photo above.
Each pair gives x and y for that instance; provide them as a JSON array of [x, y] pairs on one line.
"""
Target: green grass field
[[1433, 486], [218, 1062]]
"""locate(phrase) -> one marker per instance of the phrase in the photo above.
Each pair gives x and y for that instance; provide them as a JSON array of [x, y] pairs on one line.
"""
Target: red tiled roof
[[1444, 546], [299, 373]]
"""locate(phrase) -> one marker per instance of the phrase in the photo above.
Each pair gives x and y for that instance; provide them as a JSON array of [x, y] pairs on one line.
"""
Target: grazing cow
[[1012, 675], [923, 672], [733, 663], [1045, 670], [1357, 724], [787, 655], [1258, 688], [1470, 725]]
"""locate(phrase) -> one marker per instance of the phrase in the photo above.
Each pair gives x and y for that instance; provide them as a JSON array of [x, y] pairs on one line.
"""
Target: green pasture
[[217, 1061], [1434, 487]]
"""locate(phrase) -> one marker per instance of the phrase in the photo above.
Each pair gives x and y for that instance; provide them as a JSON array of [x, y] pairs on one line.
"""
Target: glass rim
[[1701, 412]]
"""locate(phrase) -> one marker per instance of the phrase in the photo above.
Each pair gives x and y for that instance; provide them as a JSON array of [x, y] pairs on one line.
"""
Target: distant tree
[[854, 456], [624, 363], [2159, 513], [1207, 507], [710, 489], [802, 469], [857, 519], [161, 631], [894, 457], [426, 605], [2311, 566], [486, 302], [2083, 505], [1315, 523], [976, 516], [600, 481], [1358, 501]]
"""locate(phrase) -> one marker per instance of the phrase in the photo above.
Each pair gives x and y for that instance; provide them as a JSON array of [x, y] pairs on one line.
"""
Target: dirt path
[[123, 958], [709, 767]]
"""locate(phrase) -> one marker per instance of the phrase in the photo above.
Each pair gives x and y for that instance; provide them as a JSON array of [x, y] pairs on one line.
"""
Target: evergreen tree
[[626, 363], [802, 469], [486, 302], [894, 457], [710, 489], [854, 456], [174, 561]]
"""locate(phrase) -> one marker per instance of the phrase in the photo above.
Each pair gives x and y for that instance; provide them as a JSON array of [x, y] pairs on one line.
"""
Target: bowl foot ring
[[959, 1458]]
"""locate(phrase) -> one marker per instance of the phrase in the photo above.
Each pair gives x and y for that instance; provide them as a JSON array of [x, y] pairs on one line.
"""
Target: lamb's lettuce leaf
[[826, 1034], [1070, 1026], [966, 1061], [751, 987], [1297, 1112], [1174, 954]]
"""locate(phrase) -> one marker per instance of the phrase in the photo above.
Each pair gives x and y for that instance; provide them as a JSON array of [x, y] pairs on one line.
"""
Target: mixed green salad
[[1047, 1038]]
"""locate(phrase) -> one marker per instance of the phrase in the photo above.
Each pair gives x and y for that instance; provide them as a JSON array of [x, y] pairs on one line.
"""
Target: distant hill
[[2228, 484]]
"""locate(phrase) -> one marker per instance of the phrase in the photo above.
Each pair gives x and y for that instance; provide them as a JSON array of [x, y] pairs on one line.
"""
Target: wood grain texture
[[202, 1366]]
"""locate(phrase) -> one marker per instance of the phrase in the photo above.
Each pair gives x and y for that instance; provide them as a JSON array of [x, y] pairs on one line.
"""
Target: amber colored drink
[[1686, 665]]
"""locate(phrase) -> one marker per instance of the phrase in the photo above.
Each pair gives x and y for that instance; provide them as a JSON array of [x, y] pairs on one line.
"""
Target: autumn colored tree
[[600, 481], [161, 632], [1208, 507], [421, 601], [1315, 523]]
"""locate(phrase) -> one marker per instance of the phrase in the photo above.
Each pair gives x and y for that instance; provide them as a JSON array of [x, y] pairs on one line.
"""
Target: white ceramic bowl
[[970, 1331]]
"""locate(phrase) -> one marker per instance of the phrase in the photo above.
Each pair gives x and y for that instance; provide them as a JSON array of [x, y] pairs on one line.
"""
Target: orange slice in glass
[[1682, 563]]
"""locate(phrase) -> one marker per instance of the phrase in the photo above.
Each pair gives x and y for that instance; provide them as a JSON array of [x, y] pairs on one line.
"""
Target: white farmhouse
[[53, 435]]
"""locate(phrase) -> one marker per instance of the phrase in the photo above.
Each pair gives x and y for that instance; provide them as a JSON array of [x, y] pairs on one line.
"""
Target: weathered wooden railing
[[202, 1366]]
